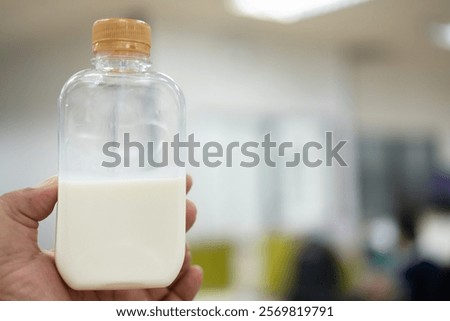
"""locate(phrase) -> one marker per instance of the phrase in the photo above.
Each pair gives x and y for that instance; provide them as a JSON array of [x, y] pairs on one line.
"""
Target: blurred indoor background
[[376, 73]]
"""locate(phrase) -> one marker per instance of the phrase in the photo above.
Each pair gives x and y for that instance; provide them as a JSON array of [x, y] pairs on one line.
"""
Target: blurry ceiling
[[390, 26]]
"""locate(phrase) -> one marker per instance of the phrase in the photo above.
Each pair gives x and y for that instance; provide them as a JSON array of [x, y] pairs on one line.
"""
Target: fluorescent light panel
[[288, 11], [440, 34]]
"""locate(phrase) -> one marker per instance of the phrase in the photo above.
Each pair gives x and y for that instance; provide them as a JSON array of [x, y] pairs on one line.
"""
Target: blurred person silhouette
[[423, 279], [316, 275]]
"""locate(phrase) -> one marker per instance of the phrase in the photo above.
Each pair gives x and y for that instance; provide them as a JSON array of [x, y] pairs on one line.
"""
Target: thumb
[[35, 203]]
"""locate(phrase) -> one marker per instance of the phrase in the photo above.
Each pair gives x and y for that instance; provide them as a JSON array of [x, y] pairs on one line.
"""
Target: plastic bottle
[[121, 218]]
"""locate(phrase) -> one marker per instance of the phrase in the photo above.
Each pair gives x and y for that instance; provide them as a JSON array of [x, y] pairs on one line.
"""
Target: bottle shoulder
[[94, 78], [74, 80]]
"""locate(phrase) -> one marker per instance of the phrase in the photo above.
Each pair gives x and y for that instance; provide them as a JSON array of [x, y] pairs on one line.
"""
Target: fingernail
[[199, 268], [48, 181]]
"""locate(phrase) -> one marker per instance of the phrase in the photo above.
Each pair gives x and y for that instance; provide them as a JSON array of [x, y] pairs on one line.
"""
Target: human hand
[[28, 273]]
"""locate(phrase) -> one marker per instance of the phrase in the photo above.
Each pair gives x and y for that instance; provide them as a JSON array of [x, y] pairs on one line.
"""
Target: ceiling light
[[440, 34], [287, 11]]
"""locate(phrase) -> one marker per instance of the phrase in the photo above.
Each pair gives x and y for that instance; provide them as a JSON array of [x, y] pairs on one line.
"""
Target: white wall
[[406, 96]]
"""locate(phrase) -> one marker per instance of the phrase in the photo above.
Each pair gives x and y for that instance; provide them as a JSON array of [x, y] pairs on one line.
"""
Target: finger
[[191, 214], [188, 183], [186, 262], [187, 286], [35, 203]]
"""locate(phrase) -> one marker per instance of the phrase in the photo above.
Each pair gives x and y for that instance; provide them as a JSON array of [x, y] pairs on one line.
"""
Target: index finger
[[188, 183]]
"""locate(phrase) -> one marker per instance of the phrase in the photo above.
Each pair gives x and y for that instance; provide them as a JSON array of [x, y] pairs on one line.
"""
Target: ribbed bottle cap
[[119, 36]]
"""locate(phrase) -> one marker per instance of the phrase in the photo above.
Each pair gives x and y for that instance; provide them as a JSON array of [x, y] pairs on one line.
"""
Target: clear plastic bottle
[[121, 198]]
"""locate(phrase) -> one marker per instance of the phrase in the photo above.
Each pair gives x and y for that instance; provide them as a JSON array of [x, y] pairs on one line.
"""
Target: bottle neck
[[134, 63]]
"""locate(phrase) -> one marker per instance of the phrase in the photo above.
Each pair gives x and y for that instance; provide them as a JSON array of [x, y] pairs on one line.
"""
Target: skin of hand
[[28, 273]]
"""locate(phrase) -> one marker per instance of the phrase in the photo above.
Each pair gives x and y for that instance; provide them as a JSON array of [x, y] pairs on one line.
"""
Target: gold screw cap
[[120, 36]]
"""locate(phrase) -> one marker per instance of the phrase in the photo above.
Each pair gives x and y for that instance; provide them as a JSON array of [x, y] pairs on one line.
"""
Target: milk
[[120, 234]]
